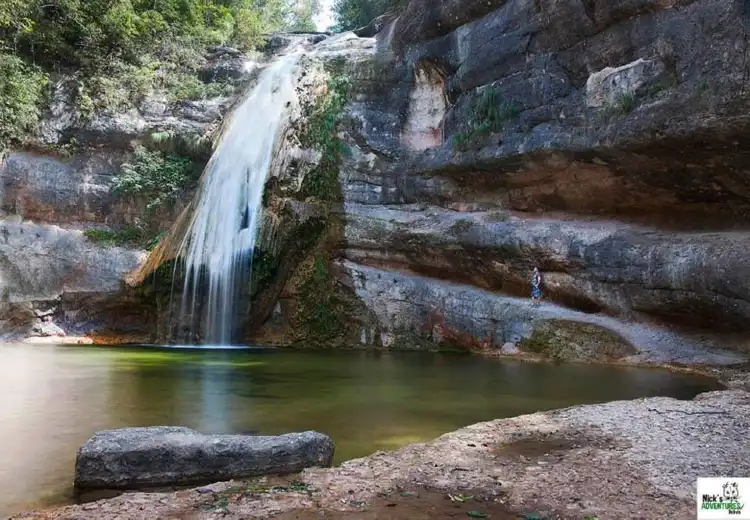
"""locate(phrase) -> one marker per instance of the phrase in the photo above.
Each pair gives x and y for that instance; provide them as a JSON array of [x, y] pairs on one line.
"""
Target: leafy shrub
[[120, 86], [489, 113], [154, 241], [194, 145], [124, 49], [157, 176], [187, 87], [22, 93]]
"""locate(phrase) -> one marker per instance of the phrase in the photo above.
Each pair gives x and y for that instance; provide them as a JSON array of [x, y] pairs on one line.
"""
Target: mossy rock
[[564, 340], [322, 305], [413, 341]]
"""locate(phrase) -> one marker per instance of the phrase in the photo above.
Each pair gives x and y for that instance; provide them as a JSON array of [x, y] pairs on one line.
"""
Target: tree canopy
[[119, 50], [353, 14], [78, 31]]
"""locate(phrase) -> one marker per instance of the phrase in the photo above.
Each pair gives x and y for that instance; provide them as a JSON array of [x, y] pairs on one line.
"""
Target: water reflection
[[213, 382], [53, 399]]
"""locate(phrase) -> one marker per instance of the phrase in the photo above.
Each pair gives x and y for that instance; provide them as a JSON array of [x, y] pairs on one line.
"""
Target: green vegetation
[[86, 33], [22, 94], [196, 146], [133, 236], [542, 342], [665, 82], [624, 103], [461, 227], [154, 241], [461, 141], [122, 50], [157, 176], [252, 489], [303, 14], [562, 340], [127, 236], [322, 134], [489, 114], [416, 341], [319, 312], [498, 216], [264, 268], [353, 14]]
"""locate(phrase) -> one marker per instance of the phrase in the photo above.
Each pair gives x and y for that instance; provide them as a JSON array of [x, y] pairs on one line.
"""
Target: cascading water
[[219, 243]]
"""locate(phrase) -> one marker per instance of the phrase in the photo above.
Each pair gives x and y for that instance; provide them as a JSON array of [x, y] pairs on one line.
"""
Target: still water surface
[[52, 399]]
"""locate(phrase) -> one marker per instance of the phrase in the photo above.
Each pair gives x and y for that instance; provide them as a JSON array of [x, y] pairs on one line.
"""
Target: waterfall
[[218, 246]]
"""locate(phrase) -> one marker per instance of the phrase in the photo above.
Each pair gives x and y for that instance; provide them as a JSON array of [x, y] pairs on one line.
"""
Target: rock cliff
[[599, 141]]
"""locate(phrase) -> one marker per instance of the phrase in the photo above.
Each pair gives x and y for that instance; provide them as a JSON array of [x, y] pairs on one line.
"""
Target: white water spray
[[219, 243]]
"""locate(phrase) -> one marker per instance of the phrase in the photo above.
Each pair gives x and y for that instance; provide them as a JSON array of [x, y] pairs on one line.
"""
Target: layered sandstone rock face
[[600, 141]]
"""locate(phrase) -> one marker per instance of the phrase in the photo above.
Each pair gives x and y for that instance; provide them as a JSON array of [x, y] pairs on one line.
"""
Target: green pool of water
[[54, 398]]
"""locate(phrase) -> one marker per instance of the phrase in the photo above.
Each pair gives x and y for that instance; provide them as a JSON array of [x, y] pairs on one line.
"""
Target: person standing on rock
[[536, 287]]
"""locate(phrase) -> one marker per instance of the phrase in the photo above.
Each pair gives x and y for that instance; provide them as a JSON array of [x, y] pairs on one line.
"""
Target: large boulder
[[171, 456]]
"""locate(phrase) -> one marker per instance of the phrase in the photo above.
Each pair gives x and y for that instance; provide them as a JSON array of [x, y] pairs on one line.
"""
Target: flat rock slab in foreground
[[169, 455]]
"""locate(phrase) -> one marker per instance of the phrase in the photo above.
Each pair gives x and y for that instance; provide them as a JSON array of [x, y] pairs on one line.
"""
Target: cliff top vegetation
[[119, 50]]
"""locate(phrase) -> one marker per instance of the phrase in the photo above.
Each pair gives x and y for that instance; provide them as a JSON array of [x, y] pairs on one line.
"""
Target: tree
[[21, 96], [353, 14], [121, 50], [303, 14], [14, 17]]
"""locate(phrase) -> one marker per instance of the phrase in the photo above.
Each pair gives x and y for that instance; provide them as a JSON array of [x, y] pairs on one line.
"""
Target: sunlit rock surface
[[610, 158]]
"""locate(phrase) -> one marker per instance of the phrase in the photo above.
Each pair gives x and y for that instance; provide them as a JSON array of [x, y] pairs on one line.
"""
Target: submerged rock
[[170, 455]]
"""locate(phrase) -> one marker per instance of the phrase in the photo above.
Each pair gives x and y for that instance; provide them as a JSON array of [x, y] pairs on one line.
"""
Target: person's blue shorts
[[536, 292]]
